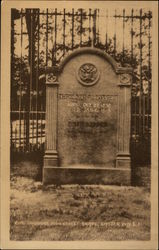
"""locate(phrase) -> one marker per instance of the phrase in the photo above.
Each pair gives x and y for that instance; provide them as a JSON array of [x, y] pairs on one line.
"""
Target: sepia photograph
[[80, 113]]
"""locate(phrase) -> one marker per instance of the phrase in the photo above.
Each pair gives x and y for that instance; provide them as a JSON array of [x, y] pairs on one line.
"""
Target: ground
[[75, 212]]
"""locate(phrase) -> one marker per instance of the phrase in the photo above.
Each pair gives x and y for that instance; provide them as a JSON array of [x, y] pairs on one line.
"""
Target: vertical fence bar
[[25, 93], [46, 37], [12, 72], [52, 38], [37, 80], [16, 137], [97, 27], [64, 23], [115, 33], [149, 50], [106, 35], [132, 65], [72, 29], [27, 116], [31, 80], [41, 122], [81, 20], [20, 92], [32, 88], [133, 103], [22, 88], [89, 26], [149, 85], [55, 35], [123, 35], [94, 27], [149, 69], [132, 36], [141, 93]]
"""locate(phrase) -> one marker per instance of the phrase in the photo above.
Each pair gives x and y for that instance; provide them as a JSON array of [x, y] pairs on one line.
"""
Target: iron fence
[[41, 38]]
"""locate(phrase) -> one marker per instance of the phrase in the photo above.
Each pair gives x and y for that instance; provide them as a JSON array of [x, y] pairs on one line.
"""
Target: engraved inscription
[[88, 103], [91, 114], [90, 107], [88, 127], [83, 97]]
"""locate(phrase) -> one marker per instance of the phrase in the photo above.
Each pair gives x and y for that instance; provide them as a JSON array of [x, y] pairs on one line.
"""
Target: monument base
[[123, 161], [105, 176], [51, 158]]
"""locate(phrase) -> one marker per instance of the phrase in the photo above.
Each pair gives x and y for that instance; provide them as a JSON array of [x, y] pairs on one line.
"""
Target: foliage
[[50, 40]]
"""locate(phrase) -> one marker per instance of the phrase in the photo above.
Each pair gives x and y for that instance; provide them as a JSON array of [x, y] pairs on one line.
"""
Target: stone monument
[[88, 113]]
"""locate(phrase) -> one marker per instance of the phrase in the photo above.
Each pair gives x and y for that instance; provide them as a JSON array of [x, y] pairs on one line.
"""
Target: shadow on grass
[[27, 165], [30, 165]]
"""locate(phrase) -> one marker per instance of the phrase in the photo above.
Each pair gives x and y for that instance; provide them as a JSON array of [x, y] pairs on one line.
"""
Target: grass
[[75, 212]]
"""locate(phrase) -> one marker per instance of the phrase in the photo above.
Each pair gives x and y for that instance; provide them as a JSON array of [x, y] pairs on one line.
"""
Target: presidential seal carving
[[88, 74]]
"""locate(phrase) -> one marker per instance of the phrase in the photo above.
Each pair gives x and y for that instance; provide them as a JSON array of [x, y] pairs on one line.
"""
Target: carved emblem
[[125, 79], [88, 74], [51, 78]]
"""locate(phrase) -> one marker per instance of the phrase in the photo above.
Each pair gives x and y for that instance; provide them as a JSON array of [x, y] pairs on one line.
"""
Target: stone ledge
[[109, 176]]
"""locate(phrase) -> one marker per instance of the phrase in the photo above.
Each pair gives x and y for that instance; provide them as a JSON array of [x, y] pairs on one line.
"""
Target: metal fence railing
[[42, 37]]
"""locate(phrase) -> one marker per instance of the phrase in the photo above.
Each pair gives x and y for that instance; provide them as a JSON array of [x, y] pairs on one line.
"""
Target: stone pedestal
[[88, 176]]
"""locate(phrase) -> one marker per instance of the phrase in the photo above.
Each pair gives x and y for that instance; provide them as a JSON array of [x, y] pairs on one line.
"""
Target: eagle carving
[[88, 74]]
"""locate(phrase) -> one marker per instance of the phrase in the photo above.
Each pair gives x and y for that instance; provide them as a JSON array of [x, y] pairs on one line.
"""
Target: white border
[[5, 132]]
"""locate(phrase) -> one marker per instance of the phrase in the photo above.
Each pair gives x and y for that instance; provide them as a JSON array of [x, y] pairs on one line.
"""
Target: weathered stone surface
[[88, 120], [87, 114], [109, 176]]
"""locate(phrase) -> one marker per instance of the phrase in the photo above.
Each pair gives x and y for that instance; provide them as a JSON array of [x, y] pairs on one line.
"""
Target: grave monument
[[88, 113]]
